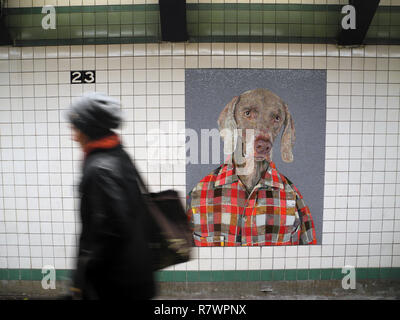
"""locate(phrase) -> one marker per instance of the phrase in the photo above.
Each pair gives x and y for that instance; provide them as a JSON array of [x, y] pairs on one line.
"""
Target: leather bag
[[169, 234]]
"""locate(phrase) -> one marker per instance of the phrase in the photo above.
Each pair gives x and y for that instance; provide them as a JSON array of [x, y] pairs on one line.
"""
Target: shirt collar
[[270, 178]]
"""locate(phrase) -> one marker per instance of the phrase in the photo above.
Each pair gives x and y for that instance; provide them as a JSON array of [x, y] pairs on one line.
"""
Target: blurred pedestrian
[[113, 259]]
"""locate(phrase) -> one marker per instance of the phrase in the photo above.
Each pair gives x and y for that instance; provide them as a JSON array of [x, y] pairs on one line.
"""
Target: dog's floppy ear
[[288, 137], [227, 125], [226, 119]]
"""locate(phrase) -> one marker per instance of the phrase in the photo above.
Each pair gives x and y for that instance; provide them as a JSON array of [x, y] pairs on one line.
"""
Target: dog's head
[[264, 112]]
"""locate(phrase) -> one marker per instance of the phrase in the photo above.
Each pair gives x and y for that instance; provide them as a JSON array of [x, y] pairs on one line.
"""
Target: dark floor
[[255, 290]]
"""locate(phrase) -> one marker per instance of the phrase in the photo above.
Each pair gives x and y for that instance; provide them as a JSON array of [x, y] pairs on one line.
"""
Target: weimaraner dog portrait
[[246, 201]]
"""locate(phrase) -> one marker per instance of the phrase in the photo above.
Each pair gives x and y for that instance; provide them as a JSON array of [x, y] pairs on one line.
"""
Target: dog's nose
[[262, 147]]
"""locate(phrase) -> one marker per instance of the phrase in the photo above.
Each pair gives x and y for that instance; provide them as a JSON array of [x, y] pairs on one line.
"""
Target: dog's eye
[[277, 118], [247, 113]]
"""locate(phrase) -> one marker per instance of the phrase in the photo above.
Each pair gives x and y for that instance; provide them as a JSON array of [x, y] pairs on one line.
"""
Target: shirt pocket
[[277, 209], [210, 241], [197, 220]]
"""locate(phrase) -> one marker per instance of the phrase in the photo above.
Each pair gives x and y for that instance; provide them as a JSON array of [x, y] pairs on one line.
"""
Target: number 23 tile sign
[[85, 76]]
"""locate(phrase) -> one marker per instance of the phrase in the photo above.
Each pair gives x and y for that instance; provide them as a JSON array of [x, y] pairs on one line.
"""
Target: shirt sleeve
[[189, 211], [305, 230]]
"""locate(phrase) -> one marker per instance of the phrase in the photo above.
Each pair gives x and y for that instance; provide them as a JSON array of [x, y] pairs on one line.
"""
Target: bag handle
[[138, 177], [168, 228], [140, 181], [152, 207]]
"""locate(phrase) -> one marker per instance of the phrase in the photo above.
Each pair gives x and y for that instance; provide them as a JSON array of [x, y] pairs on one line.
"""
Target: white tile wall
[[39, 164]]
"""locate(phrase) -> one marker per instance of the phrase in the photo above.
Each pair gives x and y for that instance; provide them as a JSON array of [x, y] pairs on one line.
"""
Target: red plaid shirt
[[222, 213]]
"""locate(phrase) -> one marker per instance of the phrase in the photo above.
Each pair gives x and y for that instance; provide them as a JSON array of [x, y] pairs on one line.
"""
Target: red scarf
[[107, 142]]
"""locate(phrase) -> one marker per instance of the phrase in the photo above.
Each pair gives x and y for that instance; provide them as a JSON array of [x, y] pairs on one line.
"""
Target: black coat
[[113, 260]]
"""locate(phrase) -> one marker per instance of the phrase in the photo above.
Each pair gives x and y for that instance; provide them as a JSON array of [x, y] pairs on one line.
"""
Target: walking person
[[113, 260]]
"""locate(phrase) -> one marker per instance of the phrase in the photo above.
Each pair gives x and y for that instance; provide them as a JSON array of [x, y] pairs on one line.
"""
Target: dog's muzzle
[[262, 147]]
